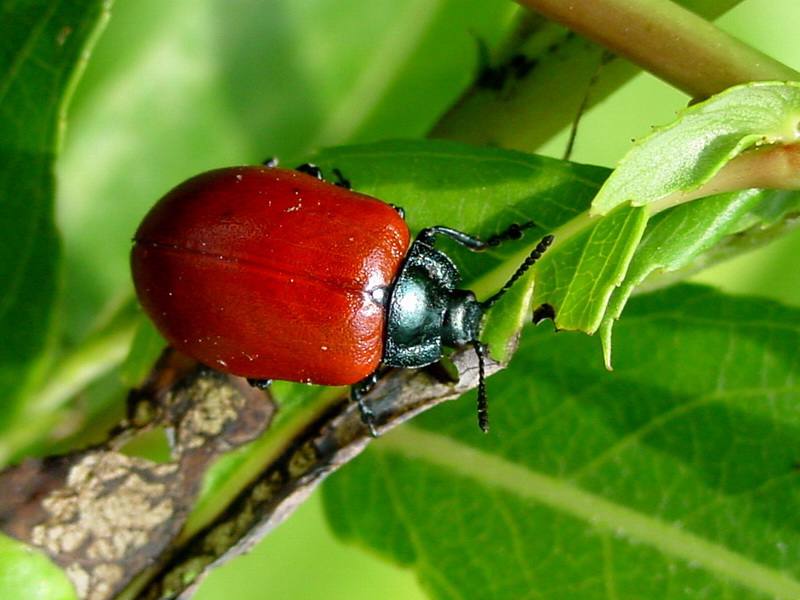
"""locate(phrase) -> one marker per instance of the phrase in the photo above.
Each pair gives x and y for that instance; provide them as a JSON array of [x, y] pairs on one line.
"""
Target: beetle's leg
[[272, 161], [315, 171], [513, 232], [428, 237], [341, 181], [310, 169], [261, 384], [357, 392]]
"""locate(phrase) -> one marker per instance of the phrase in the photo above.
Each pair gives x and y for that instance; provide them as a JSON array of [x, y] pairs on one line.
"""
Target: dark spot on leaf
[[545, 311]]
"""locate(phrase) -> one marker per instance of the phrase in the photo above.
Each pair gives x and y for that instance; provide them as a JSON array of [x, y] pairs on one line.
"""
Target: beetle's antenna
[[535, 255], [483, 405]]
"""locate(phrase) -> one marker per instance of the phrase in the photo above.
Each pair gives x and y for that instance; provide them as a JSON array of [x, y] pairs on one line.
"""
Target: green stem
[[660, 36], [773, 167], [667, 40]]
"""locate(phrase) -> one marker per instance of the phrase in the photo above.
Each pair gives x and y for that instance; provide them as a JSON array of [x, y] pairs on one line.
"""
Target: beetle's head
[[462, 318]]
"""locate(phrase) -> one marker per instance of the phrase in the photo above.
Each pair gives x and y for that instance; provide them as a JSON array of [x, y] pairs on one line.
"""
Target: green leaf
[[683, 240], [578, 279], [672, 477], [707, 135], [680, 157], [41, 48], [673, 240], [28, 573]]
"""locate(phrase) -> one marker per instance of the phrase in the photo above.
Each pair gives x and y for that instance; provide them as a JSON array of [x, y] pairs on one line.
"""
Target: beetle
[[275, 274]]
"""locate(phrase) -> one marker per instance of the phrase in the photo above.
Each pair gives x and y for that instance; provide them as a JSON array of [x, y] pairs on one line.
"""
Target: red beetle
[[272, 273]]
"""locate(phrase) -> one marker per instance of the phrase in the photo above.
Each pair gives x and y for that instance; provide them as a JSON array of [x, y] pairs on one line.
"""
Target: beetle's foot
[[512, 232], [261, 384], [310, 169], [367, 417], [357, 392]]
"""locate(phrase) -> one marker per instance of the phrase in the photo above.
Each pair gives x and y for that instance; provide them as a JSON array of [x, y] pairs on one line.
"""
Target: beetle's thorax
[[426, 310]]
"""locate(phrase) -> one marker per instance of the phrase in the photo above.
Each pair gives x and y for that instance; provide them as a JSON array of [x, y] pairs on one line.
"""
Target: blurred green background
[[175, 88]]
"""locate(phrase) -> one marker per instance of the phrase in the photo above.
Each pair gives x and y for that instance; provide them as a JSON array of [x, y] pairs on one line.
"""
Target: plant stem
[[523, 111], [667, 40], [771, 167]]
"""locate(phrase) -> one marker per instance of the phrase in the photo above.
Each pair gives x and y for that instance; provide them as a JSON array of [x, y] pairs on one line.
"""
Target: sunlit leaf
[[683, 155]]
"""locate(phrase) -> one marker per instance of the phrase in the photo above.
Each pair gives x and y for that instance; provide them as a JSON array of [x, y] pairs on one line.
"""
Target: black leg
[[514, 232], [341, 181], [310, 169], [357, 392], [315, 171], [261, 384]]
